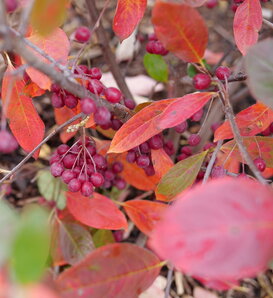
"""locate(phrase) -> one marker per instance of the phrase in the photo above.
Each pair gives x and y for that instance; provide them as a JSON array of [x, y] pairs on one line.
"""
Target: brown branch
[[107, 52], [237, 135], [22, 162]]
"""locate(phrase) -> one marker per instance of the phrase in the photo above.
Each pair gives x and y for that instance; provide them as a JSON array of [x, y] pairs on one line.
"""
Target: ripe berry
[[82, 34], [97, 179], [143, 161], [100, 161], [144, 147], [55, 88], [91, 149], [95, 86], [260, 164], [95, 73], [56, 169], [150, 171], [11, 5], [218, 172], [71, 101], [201, 81], [109, 175], [88, 106], [215, 125], [155, 142], [131, 156], [211, 3], [87, 189], [129, 103], [54, 158], [271, 127], [81, 69], [182, 127], [62, 149], [169, 147], [112, 94], [266, 132], [152, 36], [102, 116], [67, 176], [194, 140], [120, 183], [116, 124], [69, 160], [182, 156], [74, 185], [57, 101], [186, 150], [117, 167], [222, 72], [197, 116], [8, 143]]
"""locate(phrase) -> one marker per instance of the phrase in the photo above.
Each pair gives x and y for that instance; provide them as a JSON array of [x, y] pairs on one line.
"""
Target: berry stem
[[59, 128]]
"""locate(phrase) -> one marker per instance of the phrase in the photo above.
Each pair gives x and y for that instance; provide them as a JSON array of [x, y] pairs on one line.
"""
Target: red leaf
[[127, 16], [33, 90], [144, 214], [247, 23], [24, 121], [250, 121], [256, 147], [156, 117], [55, 45], [181, 29], [161, 162], [115, 270], [222, 230], [98, 212]]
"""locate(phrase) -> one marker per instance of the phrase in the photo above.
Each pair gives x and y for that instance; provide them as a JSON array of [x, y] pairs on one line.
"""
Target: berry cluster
[[141, 155], [154, 46], [82, 168]]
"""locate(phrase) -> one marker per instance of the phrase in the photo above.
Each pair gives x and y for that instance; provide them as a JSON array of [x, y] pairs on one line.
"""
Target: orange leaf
[[156, 117], [250, 121], [127, 16], [33, 90], [55, 45], [98, 212], [161, 162], [144, 214], [181, 29], [24, 121], [115, 270], [247, 23]]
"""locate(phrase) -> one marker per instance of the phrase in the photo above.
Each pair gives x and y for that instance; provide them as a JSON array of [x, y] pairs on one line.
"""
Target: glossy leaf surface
[[156, 67]]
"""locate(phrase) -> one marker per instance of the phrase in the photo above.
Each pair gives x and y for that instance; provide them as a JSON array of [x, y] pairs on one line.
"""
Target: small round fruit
[[67, 176], [88, 106], [82, 34], [129, 103], [95, 73], [218, 172], [87, 189], [117, 167], [95, 86], [74, 185], [155, 142], [182, 127], [71, 101], [112, 94], [194, 140], [57, 101], [131, 157], [8, 143], [222, 72], [11, 5], [56, 169], [102, 116], [260, 164], [62, 149], [120, 183], [201, 81], [143, 161], [211, 3], [97, 179]]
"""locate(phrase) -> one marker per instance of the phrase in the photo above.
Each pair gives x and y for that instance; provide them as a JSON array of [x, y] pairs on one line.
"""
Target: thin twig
[[59, 128], [169, 282], [108, 54], [25, 17], [212, 161], [269, 24]]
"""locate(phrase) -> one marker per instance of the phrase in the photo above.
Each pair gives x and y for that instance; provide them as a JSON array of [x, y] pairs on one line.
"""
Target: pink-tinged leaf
[[24, 121], [161, 162], [222, 230], [55, 45], [127, 16], [116, 270], [98, 212], [145, 214], [256, 147], [250, 121], [181, 29], [156, 117], [247, 23]]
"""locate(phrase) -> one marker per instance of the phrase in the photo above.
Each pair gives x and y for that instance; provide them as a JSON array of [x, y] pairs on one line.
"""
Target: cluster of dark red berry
[[154, 46], [82, 168]]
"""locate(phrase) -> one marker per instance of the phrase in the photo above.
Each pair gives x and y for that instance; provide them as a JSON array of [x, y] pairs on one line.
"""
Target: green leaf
[[103, 237], [31, 245], [156, 67], [76, 242], [181, 176], [259, 69], [8, 225], [52, 189], [191, 70]]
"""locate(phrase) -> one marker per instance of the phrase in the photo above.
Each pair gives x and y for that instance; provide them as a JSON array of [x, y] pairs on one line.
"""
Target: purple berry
[[131, 157], [194, 140], [120, 183], [144, 147], [222, 72], [56, 169], [57, 101], [88, 106], [87, 189], [260, 164], [100, 161], [74, 185], [143, 161], [97, 179], [69, 160], [182, 127], [71, 101], [117, 167], [129, 103], [67, 176], [102, 116], [62, 149]]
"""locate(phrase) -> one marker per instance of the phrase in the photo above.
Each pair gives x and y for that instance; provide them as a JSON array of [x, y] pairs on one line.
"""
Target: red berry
[[11, 5], [62, 149], [54, 158], [266, 132], [182, 156], [56, 169], [129, 103], [271, 127], [97, 179], [91, 149], [87, 189], [109, 175], [67, 176], [211, 3], [82, 34], [234, 7], [55, 88], [144, 147], [182, 127], [120, 183], [117, 167], [116, 124], [150, 171], [8, 143], [100, 161], [57, 101], [260, 164], [81, 69], [222, 72], [169, 147], [71, 101], [95, 86], [112, 94], [95, 73], [88, 106], [186, 150], [194, 140], [107, 184], [102, 116], [197, 116], [143, 161], [69, 160], [131, 156], [201, 81], [74, 185], [155, 142], [118, 235]]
